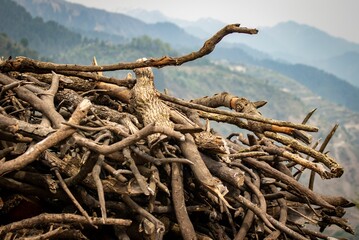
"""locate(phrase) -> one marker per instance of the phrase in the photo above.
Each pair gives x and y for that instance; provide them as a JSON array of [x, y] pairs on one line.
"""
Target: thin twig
[[71, 196]]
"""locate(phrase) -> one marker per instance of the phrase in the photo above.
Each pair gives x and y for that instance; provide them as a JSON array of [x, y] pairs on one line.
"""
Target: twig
[[139, 178], [253, 207], [96, 177], [72, 197], [300, 189], [309, 115], [159, 227], [158, 161], [130, 140], [334, 167], [316, 167], [321, 149], [48, 235]]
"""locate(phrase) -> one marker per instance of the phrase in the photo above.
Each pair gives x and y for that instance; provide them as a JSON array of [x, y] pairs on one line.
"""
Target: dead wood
[[136, 163]]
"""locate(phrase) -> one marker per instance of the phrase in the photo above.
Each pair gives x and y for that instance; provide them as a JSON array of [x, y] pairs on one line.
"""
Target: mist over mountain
[[202, 28]]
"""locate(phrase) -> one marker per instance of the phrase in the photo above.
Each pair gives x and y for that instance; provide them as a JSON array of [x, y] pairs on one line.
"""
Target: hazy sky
[[337, 17]]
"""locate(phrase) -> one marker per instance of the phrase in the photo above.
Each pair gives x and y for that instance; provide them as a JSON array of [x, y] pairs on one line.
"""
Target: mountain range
[[251, 70], [95, 23], [287, 41]]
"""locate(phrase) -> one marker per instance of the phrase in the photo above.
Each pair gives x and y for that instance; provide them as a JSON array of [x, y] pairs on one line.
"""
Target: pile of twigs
[[84, 156]]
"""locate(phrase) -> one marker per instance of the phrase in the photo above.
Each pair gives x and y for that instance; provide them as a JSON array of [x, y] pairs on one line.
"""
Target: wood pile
[[85, 156]]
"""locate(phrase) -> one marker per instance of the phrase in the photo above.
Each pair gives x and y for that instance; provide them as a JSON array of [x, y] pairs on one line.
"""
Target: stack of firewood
[[85, 156]]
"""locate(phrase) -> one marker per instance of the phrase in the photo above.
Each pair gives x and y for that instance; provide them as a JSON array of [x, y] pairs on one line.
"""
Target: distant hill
[[44, 37], [321, 83], [345, 65], [300, 43], [325, 85], [97, 23]]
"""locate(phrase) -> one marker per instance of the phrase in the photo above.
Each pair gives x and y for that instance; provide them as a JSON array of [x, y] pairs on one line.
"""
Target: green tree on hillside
[[9, 48]]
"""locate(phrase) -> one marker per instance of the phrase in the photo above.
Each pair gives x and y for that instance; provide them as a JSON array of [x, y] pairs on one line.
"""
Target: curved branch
[[23, 64]]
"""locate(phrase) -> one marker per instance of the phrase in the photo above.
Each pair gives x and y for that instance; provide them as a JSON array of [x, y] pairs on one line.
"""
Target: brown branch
[[179, 204], [14, 125], [138, 176], [48, 235], [72, 197], [159, 227], [223, 172], [254, 208], [215, 112], [34, 151], [60, 218], [34, 101], [321, 149], [23, 64], [247, 221], [316, 167], [158, 161], [335, 168], [130, 140], [96, 177], [299, 188]]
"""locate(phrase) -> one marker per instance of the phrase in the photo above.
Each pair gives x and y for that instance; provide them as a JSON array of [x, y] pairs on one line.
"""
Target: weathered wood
[[145, 162]]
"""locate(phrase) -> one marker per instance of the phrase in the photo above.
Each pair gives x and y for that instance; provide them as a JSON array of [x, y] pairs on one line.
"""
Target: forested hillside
[[45, 37], [10, 48], [104, 25]]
